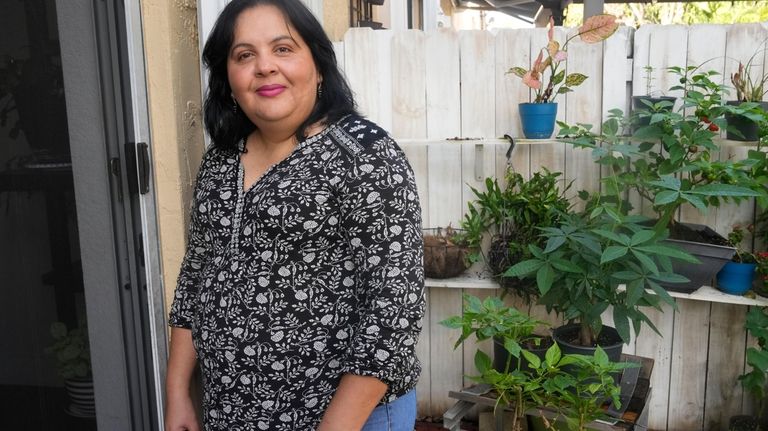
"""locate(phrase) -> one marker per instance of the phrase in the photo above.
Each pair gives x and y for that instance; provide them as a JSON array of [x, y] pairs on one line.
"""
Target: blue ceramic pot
[[736, 278], [538, 119]]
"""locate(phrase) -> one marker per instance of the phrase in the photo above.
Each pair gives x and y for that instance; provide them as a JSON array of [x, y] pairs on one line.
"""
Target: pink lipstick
[[270, 90]]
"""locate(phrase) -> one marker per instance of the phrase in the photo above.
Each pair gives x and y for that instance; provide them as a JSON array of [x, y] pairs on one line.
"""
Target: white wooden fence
[[427, 88]]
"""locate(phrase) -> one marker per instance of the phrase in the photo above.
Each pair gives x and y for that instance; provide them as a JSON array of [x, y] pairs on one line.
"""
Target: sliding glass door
[[82, 348]]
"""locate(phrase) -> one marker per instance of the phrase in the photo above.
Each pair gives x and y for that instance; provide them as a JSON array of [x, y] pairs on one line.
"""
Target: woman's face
[[271, 71]]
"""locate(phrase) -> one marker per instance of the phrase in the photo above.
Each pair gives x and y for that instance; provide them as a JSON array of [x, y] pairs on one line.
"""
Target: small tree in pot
[[672, 161], [585, 261], [575, 387]]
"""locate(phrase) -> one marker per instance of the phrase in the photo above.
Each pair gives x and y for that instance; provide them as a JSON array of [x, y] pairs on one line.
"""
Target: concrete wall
[[173, 81]]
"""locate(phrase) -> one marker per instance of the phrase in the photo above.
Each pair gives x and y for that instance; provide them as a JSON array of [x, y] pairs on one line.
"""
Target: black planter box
[[712, 257], [747, 127]]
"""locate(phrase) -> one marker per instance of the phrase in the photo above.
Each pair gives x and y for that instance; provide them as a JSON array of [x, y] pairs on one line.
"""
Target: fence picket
[[689, 365], [443, 85], [477, 84], [409, 76], [659, 347], [724, 365]]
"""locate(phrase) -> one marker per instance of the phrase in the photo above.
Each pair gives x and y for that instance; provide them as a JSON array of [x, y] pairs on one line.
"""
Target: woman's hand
[[179, 408], [353, 402], [180, 414]]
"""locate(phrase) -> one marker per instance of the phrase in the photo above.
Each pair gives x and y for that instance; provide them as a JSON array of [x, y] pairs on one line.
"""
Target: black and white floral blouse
[[312, 273]]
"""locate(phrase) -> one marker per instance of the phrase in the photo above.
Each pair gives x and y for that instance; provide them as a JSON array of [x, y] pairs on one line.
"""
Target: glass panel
[[45, 363]]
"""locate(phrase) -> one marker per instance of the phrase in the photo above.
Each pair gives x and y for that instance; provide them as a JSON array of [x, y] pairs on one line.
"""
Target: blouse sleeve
[[195, 257], [381, 219]]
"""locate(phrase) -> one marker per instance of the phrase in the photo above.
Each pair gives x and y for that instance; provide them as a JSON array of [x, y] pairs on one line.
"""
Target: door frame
[[105, 90]]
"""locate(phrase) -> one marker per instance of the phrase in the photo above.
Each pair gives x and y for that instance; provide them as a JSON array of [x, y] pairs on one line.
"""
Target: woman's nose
[[265, 65]]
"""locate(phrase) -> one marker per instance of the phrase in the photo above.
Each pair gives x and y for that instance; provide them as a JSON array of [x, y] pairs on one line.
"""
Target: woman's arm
[[381, 219], [179, 408], [353, 402]]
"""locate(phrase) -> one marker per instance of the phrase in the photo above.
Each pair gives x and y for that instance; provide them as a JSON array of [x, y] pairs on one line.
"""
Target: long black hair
[[227, 127]]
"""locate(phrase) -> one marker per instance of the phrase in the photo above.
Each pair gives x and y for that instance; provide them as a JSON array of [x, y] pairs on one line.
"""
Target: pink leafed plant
[[595, 29]]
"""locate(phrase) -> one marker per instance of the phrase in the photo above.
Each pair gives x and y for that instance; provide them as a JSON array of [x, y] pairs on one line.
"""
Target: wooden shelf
[[524, 141], [475, 280]]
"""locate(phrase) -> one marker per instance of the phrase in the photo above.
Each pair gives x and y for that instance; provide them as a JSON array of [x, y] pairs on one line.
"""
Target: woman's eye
[[283, 50], [243, 56]]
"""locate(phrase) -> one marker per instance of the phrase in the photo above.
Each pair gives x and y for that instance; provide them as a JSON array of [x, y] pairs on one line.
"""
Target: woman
[[301, 292]]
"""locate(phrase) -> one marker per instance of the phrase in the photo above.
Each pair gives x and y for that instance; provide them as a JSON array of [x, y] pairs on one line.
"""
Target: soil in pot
[[694, 233]]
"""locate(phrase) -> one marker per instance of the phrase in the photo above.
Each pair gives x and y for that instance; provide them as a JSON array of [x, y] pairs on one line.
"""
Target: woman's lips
[[270, 90]]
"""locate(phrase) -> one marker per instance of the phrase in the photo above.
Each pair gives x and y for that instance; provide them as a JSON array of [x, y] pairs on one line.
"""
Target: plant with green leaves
[[755, 380], [510, 216], [565, 383], [673, 160], [71, 350], [576, 386], [490, 318], [735, 238], [601, 258], [594, 29], [750, 84], [648, 77]]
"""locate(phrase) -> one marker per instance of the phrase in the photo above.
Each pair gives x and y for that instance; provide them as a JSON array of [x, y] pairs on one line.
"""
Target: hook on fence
[[511, 146]]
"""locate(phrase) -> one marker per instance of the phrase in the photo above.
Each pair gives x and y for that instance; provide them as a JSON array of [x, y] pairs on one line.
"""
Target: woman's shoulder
[[358, 135], [216, 153], [215, 157]]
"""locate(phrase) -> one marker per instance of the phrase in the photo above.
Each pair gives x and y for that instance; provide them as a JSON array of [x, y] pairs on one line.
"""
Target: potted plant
[[754, 381], [446, 252], [547, 76], [510, 215], [574, 387], [736, 276], [71, 349], [510, 329], [644, 106], [750, 91], [673, 162], [596, 259]]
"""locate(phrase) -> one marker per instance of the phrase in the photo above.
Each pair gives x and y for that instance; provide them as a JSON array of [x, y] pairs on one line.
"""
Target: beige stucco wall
[[336, 18], [173, 80]]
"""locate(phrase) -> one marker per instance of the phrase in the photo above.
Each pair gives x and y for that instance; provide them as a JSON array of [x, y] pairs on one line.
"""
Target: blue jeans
[[399, 415]]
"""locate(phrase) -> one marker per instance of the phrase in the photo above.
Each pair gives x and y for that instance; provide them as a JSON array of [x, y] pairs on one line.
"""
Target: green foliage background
[[716, 12]]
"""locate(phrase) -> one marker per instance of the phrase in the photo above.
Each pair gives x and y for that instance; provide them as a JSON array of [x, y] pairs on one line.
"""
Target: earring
[[234, 105], [319, 90]]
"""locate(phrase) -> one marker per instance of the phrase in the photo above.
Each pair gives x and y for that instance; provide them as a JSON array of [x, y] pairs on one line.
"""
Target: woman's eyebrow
[[273, 41]]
